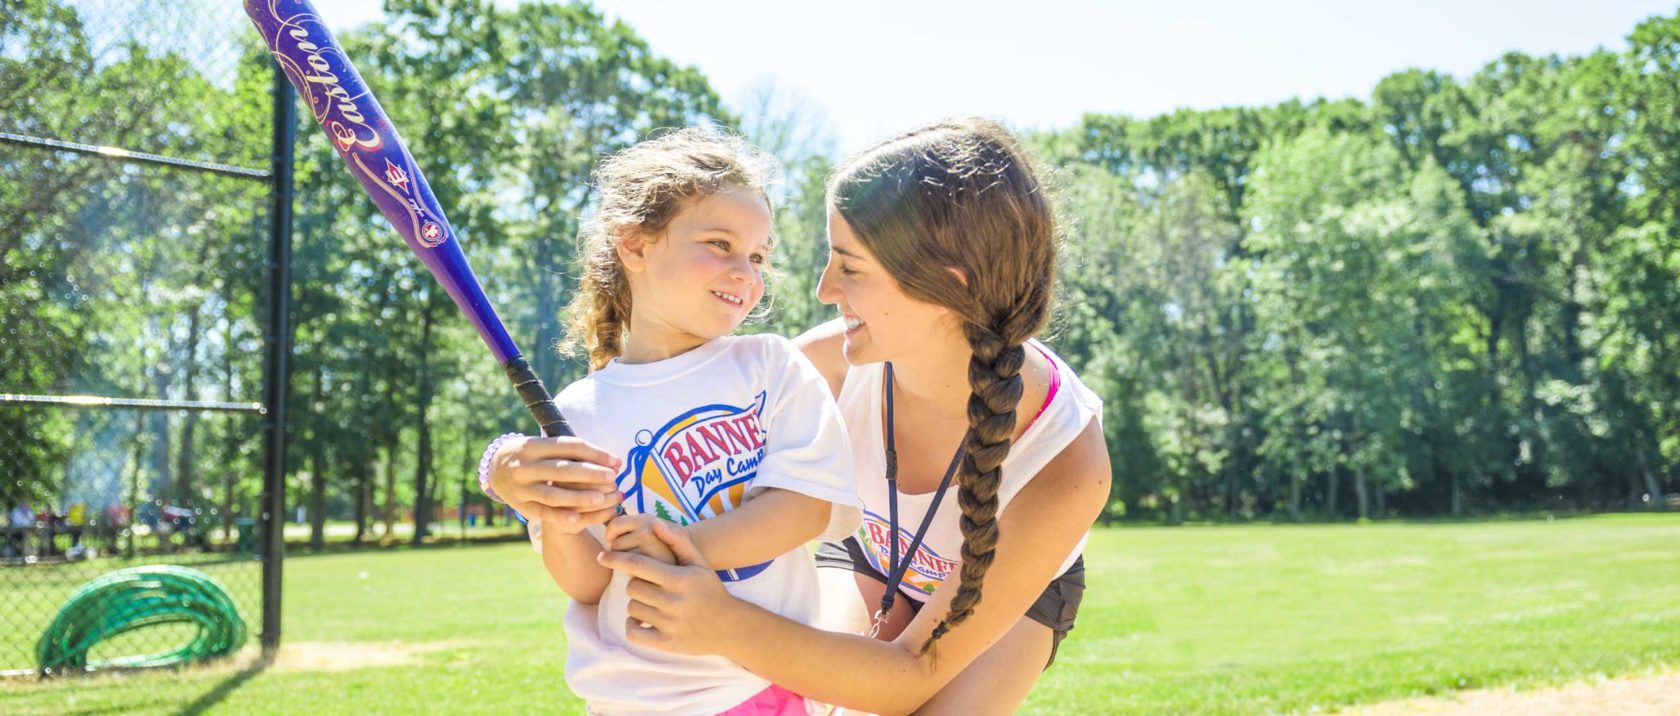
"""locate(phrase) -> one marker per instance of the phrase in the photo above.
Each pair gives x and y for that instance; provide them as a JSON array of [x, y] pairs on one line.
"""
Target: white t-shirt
[[1071, 407], [699, 434]]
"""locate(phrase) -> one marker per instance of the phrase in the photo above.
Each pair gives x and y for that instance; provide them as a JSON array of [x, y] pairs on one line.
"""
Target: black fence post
[[277, 366]]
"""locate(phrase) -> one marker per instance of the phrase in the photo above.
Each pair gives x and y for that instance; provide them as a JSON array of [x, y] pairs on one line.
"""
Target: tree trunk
[[393, 437], [391, 486], [368, 419], [422, 490], [1330, 493], [1361, 493], [133, 499], [364, 490], [546, 362], [1297, 476], [1295, 480], [318, 471], [159, 447], [467, 468], [1457, 495], [1230, 492], [317, 499], [230, 450], [423, 461], [1652, 487], [230, 535], [185, 491]]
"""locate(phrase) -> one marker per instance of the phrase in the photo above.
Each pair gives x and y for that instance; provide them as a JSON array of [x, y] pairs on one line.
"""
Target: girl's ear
[[632, 250]]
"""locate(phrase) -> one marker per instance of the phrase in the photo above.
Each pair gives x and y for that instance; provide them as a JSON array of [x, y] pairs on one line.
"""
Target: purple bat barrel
[[369, 145], [364, 137]]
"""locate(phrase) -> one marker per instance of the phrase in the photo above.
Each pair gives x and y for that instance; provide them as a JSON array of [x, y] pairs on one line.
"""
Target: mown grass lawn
[[1249, 619]]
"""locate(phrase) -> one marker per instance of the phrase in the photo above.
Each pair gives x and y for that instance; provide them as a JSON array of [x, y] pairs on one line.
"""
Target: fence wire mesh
[[134, 145]]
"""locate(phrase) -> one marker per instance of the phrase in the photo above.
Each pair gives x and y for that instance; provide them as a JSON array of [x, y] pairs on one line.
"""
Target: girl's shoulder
[[786, 358], [767, 349]]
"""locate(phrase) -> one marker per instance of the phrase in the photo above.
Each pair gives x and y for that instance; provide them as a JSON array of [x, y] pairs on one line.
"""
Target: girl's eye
[[846, 271], [720, 243], [758, 259]]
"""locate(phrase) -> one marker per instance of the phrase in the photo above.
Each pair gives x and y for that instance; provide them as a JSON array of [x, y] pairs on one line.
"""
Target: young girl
[[734, 439]]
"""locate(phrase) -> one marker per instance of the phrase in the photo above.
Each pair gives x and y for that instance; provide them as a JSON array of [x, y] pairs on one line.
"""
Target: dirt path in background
[[1638, 695], [344, 656]]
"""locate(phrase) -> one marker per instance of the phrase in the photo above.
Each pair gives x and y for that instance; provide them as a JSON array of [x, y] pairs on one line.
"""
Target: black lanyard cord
[[895, 568]]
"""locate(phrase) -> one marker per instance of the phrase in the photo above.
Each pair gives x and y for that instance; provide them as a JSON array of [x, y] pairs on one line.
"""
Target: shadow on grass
[[112, 709], [227, 686]]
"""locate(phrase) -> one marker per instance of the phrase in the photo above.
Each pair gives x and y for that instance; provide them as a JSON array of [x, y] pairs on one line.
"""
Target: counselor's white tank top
[[1064, 415]]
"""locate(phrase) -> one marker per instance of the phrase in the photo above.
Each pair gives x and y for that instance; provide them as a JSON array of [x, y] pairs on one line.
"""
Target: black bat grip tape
[[536, 398]]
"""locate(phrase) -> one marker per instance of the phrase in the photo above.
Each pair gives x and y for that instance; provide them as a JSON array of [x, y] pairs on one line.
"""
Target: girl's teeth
[[853, 323], [727, 297]]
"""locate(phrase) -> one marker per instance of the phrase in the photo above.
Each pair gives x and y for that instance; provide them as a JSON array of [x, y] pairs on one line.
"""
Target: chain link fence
[[135, 231]]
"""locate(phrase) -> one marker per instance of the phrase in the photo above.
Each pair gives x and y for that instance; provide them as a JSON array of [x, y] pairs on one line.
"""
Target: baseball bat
[[362, 134]]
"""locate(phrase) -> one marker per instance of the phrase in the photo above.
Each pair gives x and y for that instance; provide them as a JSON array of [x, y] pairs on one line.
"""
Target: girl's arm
[[689, 612], [768, 526], [571, 560], [563, 485]]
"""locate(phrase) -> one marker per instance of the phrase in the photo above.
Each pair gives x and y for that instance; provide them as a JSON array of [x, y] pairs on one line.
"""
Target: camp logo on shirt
[[927, 568], [697, 466]]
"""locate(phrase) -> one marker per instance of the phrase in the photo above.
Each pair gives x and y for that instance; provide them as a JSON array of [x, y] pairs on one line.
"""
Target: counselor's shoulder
[[1076, 478], [824, 346], [1074, 484]]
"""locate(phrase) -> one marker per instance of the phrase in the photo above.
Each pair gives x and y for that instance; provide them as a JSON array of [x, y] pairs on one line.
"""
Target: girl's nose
[[745, 270]]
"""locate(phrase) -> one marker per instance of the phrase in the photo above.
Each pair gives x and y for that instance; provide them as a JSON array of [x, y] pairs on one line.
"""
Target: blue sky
[[870, 68]]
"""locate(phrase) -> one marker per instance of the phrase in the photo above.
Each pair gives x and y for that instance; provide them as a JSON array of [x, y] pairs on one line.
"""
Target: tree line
[[1457, 296]]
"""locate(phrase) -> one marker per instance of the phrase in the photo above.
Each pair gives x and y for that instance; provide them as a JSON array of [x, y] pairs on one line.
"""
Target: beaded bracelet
[[484, 464]]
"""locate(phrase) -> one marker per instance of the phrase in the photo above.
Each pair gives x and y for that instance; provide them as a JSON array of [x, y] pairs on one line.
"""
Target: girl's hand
[[681, 608], [564, 482], [634, 533]]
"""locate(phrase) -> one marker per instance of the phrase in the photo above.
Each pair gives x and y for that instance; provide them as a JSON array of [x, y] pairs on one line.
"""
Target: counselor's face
[[882, 322]]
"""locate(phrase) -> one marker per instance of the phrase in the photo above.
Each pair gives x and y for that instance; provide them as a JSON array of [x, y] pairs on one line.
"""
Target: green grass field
[[1252, 619]]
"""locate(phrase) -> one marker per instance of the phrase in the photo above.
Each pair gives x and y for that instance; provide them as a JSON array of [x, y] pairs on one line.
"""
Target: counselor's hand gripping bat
[[341, 103]]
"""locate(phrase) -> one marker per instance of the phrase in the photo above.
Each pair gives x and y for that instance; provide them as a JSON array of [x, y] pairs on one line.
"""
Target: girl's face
[[702, 277], [882, 322]]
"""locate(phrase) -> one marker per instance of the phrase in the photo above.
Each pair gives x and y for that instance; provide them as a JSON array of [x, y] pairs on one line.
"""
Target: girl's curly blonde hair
[[642, 188]]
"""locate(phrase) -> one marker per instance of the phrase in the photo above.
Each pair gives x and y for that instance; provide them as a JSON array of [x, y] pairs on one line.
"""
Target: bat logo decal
[[396, 175], [431, 234]]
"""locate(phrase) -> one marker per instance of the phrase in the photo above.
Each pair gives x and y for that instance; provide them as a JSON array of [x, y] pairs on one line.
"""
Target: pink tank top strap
[[1055, 384]]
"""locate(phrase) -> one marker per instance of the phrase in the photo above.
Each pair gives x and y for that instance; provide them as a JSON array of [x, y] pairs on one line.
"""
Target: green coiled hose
[[136, 598]]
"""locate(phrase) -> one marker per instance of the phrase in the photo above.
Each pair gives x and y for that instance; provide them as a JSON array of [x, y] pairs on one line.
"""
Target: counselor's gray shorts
[[1055, 608]]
